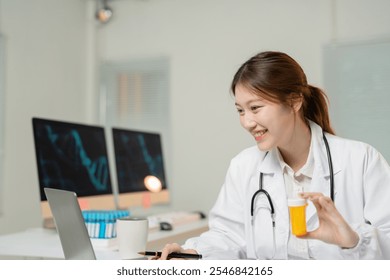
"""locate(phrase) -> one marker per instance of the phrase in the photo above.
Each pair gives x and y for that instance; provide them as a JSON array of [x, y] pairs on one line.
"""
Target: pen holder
[[297, 207]]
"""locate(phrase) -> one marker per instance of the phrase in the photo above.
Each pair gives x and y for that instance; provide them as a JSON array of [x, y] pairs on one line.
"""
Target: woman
[[288, 119]]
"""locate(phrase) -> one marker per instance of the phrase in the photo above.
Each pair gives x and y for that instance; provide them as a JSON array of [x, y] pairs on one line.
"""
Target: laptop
[[70, 224]]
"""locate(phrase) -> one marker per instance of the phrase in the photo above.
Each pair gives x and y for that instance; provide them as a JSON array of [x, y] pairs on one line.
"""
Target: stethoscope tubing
[[330, 167], [261, 190]]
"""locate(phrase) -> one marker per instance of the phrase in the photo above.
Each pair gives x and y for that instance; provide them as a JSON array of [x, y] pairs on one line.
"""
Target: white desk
[[40, 243]]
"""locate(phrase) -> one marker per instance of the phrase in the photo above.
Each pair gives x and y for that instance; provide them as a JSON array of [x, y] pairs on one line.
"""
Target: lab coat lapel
[[319, 183]]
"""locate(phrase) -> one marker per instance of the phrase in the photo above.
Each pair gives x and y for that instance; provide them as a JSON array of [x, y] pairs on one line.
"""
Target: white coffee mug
[[132, 235]]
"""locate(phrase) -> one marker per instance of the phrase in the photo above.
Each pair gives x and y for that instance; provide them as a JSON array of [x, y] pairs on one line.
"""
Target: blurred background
[[58, 61]]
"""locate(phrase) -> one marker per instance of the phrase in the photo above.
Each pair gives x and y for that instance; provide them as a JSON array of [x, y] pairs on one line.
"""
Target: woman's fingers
[[311, 195], [170, 248], [321, 202], [173, 248], [314, 198]]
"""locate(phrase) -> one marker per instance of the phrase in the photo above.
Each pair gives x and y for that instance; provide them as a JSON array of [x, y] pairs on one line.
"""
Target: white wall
[[49, 66], [45, 77]]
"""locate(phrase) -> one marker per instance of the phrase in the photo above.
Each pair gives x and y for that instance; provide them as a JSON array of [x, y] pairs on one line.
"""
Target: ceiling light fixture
[[104, 13]]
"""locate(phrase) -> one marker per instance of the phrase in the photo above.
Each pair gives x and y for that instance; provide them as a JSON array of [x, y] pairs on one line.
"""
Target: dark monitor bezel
[[36, 121], [115, 131]]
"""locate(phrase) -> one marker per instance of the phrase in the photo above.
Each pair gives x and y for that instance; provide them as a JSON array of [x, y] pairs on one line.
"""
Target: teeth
[[260, 133]]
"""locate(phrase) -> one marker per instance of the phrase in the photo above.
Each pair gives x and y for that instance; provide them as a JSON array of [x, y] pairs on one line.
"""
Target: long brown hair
[[277, 77]]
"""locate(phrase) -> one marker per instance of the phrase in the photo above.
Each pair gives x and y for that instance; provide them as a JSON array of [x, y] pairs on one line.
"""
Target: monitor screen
[[137, 155], [71, 157]]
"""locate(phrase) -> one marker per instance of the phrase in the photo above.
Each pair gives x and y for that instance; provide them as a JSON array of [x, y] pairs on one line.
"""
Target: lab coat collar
[[320, 154], [270, 163]]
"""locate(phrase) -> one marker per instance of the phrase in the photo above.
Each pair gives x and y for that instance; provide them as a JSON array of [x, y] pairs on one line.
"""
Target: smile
[[259, 135]]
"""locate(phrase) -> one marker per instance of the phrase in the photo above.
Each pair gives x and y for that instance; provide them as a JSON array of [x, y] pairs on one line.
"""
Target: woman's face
[[271, 124]]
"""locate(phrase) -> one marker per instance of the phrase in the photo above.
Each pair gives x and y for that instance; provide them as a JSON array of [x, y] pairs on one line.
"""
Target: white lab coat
[[362, 196]]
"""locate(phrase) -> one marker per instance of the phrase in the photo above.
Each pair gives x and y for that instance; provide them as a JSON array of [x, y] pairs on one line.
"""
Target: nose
[[248, 121]]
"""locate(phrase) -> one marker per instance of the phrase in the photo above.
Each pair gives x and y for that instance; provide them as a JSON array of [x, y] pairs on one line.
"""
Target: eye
[[255, 107], [240, 111]]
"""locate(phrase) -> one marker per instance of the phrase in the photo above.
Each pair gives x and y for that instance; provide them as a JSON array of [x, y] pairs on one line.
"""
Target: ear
[[296, 102]]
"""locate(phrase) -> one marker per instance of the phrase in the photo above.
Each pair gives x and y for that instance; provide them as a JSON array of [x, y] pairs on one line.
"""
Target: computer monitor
[[73, 157], [138, 155]]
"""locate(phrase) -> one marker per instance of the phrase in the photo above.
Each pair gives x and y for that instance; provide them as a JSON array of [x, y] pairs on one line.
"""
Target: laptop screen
[[70, 225]]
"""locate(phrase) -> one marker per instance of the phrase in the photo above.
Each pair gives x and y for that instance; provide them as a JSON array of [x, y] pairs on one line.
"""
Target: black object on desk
[[172, 255], [165, 226]]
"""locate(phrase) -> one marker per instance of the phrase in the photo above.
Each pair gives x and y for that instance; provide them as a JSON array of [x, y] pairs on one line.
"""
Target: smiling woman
[[297, 155]]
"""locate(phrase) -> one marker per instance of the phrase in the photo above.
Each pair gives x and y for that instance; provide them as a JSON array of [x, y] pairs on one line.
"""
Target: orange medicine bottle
[[297, 207]]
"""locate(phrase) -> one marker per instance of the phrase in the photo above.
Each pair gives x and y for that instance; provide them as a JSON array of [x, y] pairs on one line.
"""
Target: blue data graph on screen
[[137, 155], [70, 148], [154, 164], [72, 157]]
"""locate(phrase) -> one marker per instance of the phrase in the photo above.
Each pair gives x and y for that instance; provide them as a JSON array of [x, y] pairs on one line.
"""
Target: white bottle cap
[[294, 202]]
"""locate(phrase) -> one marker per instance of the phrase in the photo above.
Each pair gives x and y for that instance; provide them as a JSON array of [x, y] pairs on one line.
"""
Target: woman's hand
[[332, 226], [173, 248]]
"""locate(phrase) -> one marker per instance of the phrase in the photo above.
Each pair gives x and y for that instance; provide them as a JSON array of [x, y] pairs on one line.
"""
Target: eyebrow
[[251, 101]]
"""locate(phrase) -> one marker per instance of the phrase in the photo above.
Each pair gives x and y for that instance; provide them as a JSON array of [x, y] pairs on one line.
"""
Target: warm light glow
[[152, 183], [104, 15]]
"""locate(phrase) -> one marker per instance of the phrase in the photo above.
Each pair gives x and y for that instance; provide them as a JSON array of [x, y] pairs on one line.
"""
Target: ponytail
[[315, 108]]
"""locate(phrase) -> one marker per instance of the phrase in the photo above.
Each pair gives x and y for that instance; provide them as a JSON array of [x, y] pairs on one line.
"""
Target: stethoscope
[[271, 205]]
